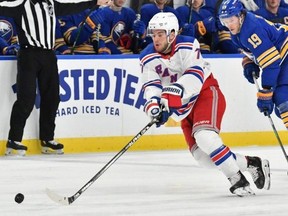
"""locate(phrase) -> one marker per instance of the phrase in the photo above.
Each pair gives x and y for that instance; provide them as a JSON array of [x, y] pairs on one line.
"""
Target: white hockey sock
[[225, 161], [241, 161]]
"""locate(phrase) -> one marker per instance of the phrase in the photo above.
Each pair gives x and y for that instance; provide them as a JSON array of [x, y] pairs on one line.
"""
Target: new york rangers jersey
[[184, 65], [268, 45]]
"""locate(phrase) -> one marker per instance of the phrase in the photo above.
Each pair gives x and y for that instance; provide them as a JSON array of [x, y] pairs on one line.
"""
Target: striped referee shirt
[[36, 19]]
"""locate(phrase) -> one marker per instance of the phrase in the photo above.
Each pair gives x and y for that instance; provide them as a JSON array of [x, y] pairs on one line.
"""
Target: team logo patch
[[117, 31], [6, 29], [155, 111]]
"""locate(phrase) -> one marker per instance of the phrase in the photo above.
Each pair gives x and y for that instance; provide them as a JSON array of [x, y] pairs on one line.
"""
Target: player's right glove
[[250, 68], [95, 18], [171, 96], [153, 110], [139, 27], [265, 102]]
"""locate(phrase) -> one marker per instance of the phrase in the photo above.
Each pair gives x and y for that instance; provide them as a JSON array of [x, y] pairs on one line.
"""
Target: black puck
[[19, 198]]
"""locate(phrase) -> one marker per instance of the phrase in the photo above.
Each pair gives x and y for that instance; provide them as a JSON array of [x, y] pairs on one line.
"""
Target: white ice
[[152, 183]]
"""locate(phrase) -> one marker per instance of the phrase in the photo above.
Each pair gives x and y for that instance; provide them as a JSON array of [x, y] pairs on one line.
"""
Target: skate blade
[[13, 152], [244, 191], [266, 170], [46, 150]]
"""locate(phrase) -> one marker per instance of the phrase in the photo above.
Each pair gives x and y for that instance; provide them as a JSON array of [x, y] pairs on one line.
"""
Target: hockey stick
[[136, 37], [68, 200], [97, 38], [271, 122], [190, 13], [81, 27]]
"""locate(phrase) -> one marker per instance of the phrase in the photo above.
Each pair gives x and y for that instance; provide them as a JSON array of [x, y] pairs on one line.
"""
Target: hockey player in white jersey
[[178, 83]]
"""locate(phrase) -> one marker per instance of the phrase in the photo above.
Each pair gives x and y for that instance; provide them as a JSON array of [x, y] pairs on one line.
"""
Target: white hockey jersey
[[184, 65]]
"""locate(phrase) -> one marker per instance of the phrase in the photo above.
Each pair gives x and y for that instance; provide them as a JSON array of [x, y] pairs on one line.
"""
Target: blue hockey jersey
[[8, 30], [117, 24], [268, 45], [280, 17]]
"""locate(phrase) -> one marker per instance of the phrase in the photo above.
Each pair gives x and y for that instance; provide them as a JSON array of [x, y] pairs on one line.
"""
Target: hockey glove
[[11, 50], [207, 25], [265, 102], [95, 18], [125, 41], [249, 70], [188, 30], [104, 51], [153, 110], [171, 96], [139, 27]]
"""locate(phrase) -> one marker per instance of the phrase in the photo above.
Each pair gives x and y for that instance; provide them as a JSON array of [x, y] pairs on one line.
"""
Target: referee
[[37, 66]]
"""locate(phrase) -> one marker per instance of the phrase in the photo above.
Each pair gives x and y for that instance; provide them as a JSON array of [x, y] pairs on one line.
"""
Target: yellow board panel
[[149, 142]]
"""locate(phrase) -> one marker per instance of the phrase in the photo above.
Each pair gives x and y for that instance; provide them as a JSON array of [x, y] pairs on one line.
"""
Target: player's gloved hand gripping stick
[[68, 200]]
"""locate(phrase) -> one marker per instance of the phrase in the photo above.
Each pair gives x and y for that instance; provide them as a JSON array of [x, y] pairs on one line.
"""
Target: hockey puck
[[19, 198]]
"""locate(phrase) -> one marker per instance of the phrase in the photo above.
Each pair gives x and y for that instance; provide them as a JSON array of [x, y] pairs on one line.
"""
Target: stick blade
[[57, 198]]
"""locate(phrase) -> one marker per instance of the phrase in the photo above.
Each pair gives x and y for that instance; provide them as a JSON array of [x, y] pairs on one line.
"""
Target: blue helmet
[[229, 8]]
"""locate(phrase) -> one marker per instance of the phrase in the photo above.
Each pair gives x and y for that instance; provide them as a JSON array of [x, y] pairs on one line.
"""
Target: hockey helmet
[[229, 8], [165, 21]]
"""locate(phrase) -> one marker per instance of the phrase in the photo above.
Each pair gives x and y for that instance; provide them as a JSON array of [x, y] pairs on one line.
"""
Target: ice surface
[[152, 183]]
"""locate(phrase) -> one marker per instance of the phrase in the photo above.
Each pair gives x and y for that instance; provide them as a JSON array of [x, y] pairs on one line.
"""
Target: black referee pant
[[35, 65]]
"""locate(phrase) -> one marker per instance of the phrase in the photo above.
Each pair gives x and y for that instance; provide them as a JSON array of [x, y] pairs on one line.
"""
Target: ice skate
[[240, 185], [14, 146], [51, 147], [260, 172]]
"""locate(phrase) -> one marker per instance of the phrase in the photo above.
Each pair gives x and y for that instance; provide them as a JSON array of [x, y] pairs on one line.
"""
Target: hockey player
[[176, 77], [8, 33], [120, 24], [79, 37], [8, 30], [273, 12], [266, 47], [6, 49], [61, 47], [149, 10], [261, 4], [199, 21]]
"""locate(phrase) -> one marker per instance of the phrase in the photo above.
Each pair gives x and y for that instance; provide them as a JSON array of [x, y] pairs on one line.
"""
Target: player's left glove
[[171, 96], [11, 50], [250, 69], [265, 101], [139, 27]]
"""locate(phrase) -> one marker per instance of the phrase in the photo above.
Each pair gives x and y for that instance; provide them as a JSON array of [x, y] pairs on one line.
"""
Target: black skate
[[240, 185], [51, 147], [260, 172], [14, 146]]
